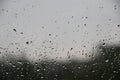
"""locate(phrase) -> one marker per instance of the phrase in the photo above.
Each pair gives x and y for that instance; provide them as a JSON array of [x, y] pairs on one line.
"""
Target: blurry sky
[[58, 29]]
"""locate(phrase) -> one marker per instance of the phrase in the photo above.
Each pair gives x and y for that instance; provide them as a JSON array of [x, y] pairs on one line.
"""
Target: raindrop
[[55, 21], [109, 19], [79, 67], [104, 44], [84, 24], [43, 27], [86, 17], [27, 42], [22, 75], [71, 48], [93, 71], [31, 41], [19, 62], [118, 25], [6, 10], [14, 30], [3, 9], [42, 77], [38, 69], [21, 32], [7, 73], [107, 60], [72, 17], [115, 7], [49, 34]]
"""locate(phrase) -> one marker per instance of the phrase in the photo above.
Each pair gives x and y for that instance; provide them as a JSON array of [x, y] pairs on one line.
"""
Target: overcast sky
[[58, 29]]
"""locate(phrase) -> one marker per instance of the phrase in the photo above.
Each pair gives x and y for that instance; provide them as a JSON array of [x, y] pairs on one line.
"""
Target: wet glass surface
[[59, 40], [106, 67]]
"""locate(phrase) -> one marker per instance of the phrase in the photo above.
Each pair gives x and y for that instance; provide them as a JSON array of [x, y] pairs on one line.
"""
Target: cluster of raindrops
[[60, 49]]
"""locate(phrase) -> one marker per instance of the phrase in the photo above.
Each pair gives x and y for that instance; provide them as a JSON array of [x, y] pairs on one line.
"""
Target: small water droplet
[[107, 60], [27, 42], [14, 30], [118, 25]]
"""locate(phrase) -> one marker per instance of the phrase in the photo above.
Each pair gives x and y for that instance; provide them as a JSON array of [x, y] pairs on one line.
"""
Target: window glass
[[59, 39]]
